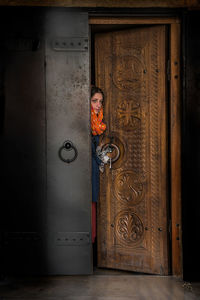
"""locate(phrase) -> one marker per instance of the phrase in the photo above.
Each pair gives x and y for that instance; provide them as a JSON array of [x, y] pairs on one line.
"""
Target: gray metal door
[[45, 139], [67, 116]]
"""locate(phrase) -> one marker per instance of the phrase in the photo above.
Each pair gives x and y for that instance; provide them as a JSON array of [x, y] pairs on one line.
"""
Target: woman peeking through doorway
[[98, 158]]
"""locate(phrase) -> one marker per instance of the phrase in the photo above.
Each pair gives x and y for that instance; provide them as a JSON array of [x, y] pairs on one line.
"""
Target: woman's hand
[[105, 159], [102, 155]]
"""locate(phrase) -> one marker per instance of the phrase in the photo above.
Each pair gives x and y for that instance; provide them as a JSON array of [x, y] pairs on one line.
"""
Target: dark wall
[[191, 150]]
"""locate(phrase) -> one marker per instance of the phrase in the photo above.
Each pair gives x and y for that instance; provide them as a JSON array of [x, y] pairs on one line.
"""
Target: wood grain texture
[[131, 20], [132, 219], [175, 134], [105, 3]]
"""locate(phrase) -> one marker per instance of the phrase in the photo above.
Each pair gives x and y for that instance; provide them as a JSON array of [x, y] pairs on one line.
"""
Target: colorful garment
[[97, 126]]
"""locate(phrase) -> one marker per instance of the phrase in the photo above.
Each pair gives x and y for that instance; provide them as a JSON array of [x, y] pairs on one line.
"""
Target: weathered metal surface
[[67, 117], [70, 44], [45, 96]]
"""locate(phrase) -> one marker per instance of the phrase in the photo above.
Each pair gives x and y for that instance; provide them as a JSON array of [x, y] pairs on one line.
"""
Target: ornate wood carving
[[132, 204], [154, 147], [128, 73], [127, 115], [129, 229], [128, 188]]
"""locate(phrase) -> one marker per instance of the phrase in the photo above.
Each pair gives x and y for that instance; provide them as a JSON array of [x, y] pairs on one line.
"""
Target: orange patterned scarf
[[98, 127]]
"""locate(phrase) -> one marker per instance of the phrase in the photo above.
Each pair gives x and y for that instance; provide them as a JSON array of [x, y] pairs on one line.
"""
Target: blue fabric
[[95, 169]]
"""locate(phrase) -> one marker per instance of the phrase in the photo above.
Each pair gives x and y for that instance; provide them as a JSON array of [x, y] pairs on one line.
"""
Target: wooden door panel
[[132, 215]]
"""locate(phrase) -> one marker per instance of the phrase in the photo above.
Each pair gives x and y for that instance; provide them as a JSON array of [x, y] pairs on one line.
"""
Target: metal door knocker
[[67, 146]]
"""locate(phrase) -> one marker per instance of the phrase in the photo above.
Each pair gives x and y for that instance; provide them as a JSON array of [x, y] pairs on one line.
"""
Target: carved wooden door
[[132, 211]]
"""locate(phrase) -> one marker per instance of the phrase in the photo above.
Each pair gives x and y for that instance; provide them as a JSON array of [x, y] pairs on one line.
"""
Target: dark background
[[191, 146], [190, 99]]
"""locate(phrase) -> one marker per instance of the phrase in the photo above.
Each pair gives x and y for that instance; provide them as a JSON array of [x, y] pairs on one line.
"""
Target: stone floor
[[102, 285]]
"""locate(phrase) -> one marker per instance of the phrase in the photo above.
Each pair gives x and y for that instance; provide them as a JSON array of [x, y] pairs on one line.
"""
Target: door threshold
[[113, 272]]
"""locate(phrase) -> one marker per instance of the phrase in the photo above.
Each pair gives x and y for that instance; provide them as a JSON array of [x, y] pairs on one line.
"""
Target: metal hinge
[[72, 238], [168, 70], [70, 44]]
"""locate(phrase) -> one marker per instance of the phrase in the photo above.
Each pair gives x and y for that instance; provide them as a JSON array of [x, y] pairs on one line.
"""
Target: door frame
[[174, 24]]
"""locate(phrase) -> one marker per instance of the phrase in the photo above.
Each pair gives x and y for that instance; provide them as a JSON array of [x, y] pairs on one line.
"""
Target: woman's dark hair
[[95, 89]]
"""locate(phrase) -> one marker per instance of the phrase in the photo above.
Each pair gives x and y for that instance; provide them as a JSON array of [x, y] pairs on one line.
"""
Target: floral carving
[[128, 228], [129, 188]]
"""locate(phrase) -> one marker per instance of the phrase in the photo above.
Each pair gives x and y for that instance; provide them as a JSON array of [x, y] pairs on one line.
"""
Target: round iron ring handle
[[67, 146], [104, 147]]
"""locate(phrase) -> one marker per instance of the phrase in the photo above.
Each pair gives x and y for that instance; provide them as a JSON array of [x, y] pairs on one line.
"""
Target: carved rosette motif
[[128, 73], [131, 194], [128, 115], [129, 229], [129, 188]]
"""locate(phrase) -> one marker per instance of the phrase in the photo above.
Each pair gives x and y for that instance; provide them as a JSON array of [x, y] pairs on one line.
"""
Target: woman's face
[[96, 102]]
